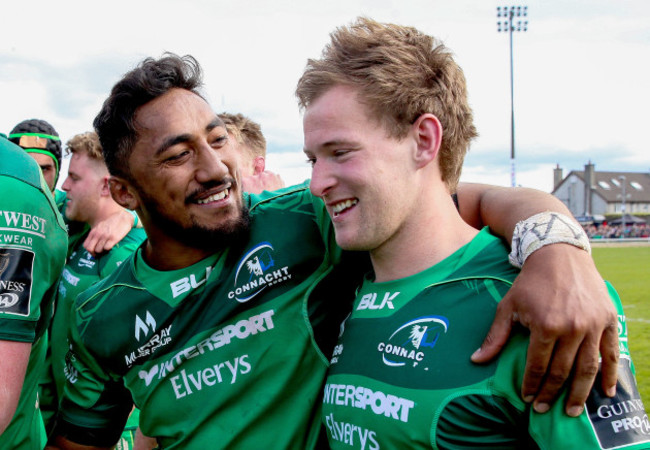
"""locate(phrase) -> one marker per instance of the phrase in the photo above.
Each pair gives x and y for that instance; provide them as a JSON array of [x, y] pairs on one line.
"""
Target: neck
[[168, 254], [103, 211], [432, 234]]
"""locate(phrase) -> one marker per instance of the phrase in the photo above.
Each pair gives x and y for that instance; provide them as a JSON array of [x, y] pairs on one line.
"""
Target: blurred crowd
[[605, 231]]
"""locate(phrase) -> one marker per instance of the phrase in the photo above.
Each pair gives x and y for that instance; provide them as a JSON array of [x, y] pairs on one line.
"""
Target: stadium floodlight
[[507, 23]]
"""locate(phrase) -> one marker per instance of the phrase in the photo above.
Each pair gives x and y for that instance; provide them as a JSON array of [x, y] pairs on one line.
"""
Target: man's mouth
[[214, 197], [340, 207]]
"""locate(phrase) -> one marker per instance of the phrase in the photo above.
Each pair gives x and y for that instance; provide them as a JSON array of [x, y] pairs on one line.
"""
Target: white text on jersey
[[360, 397], [368, 301]]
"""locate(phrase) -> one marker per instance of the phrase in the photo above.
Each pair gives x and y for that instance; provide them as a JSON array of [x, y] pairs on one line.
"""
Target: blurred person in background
[[33, 245]]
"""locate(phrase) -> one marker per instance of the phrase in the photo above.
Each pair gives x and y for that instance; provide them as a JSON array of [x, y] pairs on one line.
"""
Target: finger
[[105, 245], [557, 373], [90, 243], [497, 335], [584, 375], [610, 355], [540, 351]]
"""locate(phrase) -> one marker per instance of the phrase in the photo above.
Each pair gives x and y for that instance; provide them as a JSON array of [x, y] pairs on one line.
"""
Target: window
[[636, 185], [615, 182], [604, 185]]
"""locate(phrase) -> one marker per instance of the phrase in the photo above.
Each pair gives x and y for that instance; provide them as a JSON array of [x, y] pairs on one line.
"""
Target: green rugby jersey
[[401, 375], [33, 244], [81, 271], [226, 353]]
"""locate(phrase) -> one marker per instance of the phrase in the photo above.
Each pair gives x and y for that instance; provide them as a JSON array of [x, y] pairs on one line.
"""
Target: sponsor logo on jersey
[[4, 261], [143, 326], [69, 277], [16, 281], [158, 340], [338, 350], [408, 344], [621, 420], [23, 223], [241, 330], [360, 397], [187, 383], [87, 261], [71, 374], [255, 272], [186, 284], [369, 301], [350, 434], [622, 336]]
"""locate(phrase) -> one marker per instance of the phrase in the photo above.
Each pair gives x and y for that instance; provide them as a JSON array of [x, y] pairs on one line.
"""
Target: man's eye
[[311, 161], [220, 141], [178, 156]]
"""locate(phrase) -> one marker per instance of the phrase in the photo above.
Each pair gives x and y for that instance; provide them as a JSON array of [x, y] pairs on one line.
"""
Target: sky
[[581, 70]]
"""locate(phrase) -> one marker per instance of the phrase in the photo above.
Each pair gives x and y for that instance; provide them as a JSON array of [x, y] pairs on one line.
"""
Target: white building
[[593, 193]]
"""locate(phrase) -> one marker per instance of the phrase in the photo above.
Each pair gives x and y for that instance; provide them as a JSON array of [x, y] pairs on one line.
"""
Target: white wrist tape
[[544, 229]]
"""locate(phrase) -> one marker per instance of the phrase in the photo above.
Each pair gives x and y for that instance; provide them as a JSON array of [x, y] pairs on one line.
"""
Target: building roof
[[608, 185]]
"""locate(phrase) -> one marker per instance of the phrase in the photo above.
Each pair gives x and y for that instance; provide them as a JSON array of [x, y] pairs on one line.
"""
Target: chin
[[351, 244]]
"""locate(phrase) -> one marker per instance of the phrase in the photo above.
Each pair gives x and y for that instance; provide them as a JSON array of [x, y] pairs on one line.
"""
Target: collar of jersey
[[440, 272], [161, 283]]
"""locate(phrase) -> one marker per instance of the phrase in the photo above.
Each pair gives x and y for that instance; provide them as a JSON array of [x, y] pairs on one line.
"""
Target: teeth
[[343, 205], [213, 198]]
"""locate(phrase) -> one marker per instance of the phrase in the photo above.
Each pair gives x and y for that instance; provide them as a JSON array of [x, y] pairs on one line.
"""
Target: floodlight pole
[[508, 14]]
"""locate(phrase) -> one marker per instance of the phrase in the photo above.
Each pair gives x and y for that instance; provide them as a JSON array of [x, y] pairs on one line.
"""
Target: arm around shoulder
[[559, 295]]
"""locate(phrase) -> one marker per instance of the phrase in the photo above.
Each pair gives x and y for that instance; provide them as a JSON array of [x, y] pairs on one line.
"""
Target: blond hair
[[400, 73], [247, 132], [87, 143]]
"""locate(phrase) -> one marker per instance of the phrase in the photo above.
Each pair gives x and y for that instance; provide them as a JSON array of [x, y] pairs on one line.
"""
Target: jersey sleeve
[[619, 422], [32, 253], [499, 418], [95, 404]]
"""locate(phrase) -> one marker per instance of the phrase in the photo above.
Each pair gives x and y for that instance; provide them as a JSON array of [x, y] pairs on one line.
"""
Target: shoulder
[[486, 256], [114, 283], [133, 239], [16, 163], [292, 203], [287, 195], [124, 248]]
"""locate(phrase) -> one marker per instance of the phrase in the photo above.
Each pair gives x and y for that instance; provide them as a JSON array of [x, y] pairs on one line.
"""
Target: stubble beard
[[227, 234]]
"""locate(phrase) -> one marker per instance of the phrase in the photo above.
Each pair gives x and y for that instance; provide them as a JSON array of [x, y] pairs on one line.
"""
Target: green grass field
[[628, 269]]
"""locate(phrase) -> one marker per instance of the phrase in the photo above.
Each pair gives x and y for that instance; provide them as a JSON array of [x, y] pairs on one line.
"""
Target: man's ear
[[428, 134], [259, 164], [123, 193], [105, 190]]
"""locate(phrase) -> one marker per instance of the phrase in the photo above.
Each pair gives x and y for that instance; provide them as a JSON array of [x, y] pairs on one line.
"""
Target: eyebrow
[[333, 143], [173, 140]]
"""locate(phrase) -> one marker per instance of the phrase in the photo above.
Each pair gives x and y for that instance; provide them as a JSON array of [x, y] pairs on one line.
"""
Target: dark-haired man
[[232, 306]]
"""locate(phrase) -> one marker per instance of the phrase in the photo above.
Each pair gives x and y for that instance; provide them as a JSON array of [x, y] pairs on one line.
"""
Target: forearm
[[501, 208], [14, 357]]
